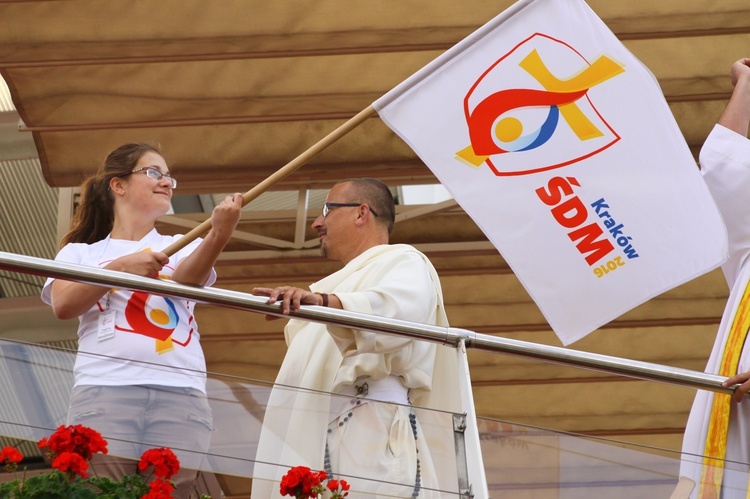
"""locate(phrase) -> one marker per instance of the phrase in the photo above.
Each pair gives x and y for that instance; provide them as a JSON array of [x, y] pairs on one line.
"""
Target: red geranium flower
[[339, 488], [71, 463], [165, 463], [77, 439], [10, 457], [302, 483], [70, 449], [159, 489]]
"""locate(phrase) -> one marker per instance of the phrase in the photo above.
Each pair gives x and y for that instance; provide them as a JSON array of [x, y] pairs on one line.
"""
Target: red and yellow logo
[[153, 316], [531, 112]]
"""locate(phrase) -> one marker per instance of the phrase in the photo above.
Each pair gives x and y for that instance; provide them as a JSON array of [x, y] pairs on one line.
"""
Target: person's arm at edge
[[736, 116]]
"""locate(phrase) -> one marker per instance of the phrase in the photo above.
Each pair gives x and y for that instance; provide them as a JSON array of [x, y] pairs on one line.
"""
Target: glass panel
[[37, 384], [519, 461], [527, 462]]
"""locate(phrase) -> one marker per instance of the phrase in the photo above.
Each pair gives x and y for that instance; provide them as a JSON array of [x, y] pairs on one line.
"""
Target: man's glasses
[[328, 206], [154, 174]]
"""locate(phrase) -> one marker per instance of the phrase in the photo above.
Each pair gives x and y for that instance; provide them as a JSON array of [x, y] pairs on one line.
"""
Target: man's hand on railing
[[291, 298]]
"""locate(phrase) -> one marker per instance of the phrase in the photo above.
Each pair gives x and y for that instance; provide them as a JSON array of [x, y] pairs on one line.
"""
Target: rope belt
[[388, 389]]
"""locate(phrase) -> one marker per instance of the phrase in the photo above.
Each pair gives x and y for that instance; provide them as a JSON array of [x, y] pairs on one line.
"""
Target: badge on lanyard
[[106, 325]]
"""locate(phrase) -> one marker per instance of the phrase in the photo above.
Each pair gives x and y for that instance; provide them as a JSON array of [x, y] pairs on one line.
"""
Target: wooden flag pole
[[277, 176]]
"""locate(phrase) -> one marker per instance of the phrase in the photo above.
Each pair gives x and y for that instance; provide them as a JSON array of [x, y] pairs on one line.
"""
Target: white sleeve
[[405, 292], [725, 165], [68, 254]]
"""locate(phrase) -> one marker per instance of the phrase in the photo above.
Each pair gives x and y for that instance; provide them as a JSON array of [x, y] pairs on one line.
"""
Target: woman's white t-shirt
[[155, 340]]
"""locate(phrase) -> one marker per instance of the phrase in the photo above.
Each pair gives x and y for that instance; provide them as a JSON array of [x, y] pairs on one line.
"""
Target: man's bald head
[[376, 195]]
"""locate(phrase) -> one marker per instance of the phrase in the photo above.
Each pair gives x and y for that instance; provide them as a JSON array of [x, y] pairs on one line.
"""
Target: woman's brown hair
[[94, 217]]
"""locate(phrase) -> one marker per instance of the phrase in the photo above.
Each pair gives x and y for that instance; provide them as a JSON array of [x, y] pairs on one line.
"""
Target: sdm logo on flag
[[531, 112]]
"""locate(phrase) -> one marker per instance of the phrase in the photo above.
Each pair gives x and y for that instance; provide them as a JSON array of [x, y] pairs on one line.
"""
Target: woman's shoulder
[[81, 247]]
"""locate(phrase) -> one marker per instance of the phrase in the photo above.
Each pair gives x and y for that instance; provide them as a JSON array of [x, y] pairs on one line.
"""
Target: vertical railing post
[[462, 468], [472, 462]]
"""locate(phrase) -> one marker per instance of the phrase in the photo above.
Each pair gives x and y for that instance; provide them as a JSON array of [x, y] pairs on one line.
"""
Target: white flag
[[559, 144]]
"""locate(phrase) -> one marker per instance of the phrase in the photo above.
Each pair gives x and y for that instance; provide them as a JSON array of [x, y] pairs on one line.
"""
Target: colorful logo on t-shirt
[[150, 315], [531, 110], [156, 317]]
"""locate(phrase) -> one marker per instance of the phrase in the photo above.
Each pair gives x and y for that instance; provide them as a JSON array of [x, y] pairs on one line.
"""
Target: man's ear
[[362, 214]]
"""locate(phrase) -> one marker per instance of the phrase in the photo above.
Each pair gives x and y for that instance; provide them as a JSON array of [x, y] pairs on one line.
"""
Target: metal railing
[[444, 335]]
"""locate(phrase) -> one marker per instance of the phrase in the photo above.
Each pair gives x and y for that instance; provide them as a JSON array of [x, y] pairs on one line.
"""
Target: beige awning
[[233, 90]]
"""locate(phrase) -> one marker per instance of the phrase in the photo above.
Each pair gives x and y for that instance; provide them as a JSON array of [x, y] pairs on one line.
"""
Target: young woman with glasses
[[140, 369]]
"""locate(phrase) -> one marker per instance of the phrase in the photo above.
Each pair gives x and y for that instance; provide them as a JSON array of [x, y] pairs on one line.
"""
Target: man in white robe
[[391, 448], [716, 446]]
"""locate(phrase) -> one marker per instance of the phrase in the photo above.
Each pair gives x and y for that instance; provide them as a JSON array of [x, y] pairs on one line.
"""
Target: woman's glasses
[[154, 174]]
